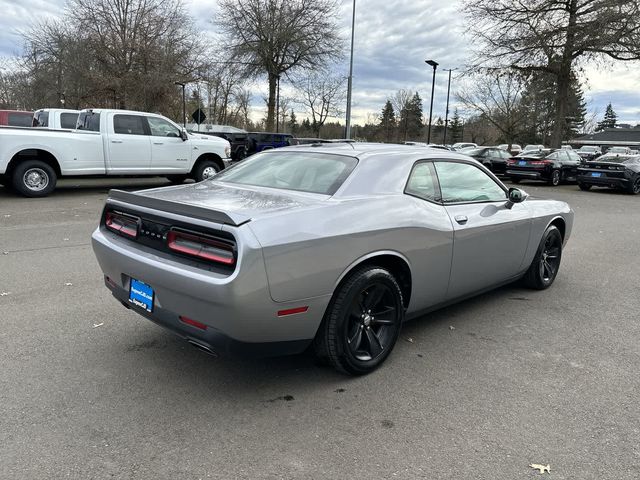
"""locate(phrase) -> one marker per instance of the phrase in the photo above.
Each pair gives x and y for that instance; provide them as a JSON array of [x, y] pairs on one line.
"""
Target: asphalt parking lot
[[479, 390]]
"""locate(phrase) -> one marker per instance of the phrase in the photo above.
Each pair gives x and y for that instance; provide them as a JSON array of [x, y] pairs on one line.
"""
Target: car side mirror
[[515, 196], [183, 135]]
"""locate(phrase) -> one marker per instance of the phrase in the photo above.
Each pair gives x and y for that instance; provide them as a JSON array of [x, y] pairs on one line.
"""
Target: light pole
[[278, 105], [446, 113], [184, 105], [347, 133], [433, 85]]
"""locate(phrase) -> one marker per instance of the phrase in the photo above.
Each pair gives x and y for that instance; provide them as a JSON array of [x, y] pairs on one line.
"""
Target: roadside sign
[[198, 116]]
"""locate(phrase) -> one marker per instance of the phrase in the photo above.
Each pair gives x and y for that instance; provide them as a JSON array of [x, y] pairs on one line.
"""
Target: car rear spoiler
[[184, 209]]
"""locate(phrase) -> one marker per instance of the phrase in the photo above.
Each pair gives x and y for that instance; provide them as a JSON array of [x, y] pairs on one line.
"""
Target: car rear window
[[68, 120], [89, 121], [301, 171]]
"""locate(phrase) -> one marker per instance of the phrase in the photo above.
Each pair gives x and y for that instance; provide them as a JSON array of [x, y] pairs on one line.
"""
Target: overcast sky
[[392, 41]]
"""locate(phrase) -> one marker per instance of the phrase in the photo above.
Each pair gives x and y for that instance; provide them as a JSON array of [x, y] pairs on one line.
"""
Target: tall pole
[[347, 133], [278, 105], [184, 105], [446, 113], [433, 86]]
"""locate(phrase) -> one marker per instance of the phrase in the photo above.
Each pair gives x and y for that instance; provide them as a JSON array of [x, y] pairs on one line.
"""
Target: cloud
[[392, 41]]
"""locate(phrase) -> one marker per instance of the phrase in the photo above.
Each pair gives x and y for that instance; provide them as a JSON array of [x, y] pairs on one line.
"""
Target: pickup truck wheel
[[33, 178], [206, 169], [362, 323], [584, 186]]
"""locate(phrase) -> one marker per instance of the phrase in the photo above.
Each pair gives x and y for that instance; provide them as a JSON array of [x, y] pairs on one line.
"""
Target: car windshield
[[474, 151], [618, 158], [587, 149], [310, 172], [532, 154], [532, 147], [617, 150]]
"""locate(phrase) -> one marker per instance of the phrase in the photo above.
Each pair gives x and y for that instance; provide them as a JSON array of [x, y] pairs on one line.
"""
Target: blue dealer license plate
[[141, 295], [522, 162], [596, 174]]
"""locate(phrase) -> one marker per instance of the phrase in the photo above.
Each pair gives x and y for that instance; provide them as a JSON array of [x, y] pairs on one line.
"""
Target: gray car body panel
[[294, 248]]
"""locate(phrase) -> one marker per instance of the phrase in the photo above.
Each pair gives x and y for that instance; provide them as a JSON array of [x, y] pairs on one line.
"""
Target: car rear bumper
[[527, 174], [237, 310], [613, 182]]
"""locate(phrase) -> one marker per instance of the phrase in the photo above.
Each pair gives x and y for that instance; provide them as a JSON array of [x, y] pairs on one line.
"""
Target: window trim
[[488, 173]]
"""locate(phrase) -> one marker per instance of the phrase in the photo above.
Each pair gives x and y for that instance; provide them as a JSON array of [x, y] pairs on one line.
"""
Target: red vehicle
[[16, 118]]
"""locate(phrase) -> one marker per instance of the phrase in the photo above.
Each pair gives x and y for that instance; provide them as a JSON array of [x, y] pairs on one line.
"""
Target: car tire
[[634, 185], [555, 178], [33, 178], [351, 338], [205, 169], [177, 179], [584, 186], [546, 263]]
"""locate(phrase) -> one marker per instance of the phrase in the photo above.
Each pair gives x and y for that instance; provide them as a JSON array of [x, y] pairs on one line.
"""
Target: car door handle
[[116, 141], [158, 143], [461, 219]]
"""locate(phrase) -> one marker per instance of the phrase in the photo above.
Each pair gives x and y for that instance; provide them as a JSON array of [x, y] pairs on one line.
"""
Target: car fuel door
[[489, 239]]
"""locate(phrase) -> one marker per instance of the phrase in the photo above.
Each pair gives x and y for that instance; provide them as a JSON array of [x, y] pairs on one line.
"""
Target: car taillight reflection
[[200, 247], [122, 224]]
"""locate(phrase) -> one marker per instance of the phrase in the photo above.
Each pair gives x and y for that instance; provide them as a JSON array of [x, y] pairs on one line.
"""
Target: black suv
[[239, 143]]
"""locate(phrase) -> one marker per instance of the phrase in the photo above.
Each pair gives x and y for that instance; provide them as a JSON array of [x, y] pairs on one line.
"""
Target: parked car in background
[[566, 147], [239, 142], [419, 144], [460, 145], [15, 118], [259, 141], [589, 152], [618, 150], [312, 246], [494, 158], [531, 148], [55, 118], [515, 148], [308, 140], [613, 171], [548, 166], [107, 142]]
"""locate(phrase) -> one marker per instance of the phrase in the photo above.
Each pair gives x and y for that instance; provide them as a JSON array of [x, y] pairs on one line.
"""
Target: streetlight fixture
[[434, 64], [184, 104], [347, 133], [446, 113]]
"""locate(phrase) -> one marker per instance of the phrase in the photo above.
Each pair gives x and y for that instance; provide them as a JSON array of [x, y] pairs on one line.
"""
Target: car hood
[[240, 202], [202, 139]]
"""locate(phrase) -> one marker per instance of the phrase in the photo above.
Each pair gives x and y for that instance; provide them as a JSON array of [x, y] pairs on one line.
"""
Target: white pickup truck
[[107, 142], [55, 118]]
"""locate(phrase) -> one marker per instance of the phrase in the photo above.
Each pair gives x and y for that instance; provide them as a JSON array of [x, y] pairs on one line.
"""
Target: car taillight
[[123, 224], [541, 162], [511, 161], [201, 247]]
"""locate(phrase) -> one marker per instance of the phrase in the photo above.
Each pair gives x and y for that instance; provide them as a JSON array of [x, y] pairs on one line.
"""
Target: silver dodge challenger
[[328, 246]]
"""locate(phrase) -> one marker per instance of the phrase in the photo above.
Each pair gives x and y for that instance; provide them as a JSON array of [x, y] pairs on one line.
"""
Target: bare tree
[[277, 37], [554, 36], [497, 99], [322, 95]]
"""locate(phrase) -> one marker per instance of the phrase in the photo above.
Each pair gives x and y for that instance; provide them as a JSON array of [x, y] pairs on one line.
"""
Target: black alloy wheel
[[634, 185], [546, 263], [555, 178], [584, 186], [362, 323]]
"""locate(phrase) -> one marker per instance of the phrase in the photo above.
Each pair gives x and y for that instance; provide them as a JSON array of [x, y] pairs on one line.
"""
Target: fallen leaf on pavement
[[4, 294], [451, 327], [542, 468], [68, 284], [96, 325], [410, 340]]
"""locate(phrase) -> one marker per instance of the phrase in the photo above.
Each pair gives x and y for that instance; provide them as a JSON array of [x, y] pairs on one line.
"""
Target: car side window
[[68, 120], [462, 182], [162, 128], [129, 124], [422, 182]]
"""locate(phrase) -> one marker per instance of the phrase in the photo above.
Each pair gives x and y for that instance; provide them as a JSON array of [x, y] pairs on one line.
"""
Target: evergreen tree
[[387, 123], [293, 123], [609, 121], [455, 127], [411, 118]]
